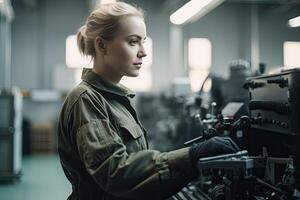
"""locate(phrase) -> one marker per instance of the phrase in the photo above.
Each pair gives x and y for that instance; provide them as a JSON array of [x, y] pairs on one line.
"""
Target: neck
[[105, 71]]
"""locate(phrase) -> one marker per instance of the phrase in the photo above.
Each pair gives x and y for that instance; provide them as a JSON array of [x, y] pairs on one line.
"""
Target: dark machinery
[[240, 177], [268, 168], [275, 113]]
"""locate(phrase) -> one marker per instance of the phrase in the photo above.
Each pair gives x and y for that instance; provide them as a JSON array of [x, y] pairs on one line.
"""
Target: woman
[[102, 144]]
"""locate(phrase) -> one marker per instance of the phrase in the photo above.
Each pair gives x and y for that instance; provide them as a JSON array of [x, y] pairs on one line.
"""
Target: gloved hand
[[212, 147]]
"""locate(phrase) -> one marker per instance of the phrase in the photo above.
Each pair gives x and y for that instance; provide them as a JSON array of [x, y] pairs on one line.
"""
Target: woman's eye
[[133, 42]]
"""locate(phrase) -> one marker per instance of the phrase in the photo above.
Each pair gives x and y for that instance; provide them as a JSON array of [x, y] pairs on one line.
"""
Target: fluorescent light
[[193, 10], [294, 22], [1, 1]]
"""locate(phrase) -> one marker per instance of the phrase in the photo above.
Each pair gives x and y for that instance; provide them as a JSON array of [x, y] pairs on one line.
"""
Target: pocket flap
[[133, 129]]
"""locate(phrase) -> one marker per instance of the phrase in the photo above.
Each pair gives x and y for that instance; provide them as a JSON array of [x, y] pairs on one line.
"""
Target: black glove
[[212, 147]]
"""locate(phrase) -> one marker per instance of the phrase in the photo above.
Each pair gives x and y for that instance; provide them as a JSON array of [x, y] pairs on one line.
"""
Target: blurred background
[[198, 60]]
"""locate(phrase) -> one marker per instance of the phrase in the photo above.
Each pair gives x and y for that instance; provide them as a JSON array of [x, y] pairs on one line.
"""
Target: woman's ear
[[100, 45]]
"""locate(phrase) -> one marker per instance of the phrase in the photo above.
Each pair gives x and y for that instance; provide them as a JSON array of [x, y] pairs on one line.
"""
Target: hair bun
[[82, 31]]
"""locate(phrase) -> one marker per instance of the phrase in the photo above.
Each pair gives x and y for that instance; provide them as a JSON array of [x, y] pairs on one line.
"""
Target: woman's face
[[124, 53]]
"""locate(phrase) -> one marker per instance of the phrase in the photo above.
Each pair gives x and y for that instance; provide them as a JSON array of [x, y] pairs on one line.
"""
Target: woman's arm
[[145, 174]]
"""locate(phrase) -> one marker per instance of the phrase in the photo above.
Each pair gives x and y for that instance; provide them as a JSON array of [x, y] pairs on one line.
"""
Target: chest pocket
[[132, 136]]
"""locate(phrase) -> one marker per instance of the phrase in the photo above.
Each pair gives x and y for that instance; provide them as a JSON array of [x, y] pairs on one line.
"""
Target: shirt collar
[[99, 82]]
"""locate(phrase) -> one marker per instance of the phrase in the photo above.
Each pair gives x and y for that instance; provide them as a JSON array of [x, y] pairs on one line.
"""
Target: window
[[199, 60], [74, 59], [291, 54], [143, 82]]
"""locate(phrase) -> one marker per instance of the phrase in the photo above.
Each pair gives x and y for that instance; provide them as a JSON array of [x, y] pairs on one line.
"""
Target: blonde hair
[[103, 22]]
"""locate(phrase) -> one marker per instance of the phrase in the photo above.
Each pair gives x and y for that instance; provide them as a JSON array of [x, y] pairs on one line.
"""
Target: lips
[[138, 65]]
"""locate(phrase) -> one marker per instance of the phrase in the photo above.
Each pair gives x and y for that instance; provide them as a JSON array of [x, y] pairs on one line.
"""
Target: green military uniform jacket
[[103, 147]]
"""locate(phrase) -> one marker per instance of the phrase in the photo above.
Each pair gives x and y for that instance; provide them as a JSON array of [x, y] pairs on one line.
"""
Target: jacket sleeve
[[147, 174]]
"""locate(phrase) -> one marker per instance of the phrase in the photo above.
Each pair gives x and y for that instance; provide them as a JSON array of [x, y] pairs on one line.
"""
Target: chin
[[133, 74]]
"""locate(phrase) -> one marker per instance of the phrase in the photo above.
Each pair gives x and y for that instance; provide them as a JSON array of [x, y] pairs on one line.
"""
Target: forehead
[[132, 25]]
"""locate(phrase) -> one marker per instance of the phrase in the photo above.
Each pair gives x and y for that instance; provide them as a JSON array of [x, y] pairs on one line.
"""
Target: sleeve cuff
[[180, 164]]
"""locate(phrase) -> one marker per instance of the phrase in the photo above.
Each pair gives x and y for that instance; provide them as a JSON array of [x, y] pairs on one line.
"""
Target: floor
[[42, 178]]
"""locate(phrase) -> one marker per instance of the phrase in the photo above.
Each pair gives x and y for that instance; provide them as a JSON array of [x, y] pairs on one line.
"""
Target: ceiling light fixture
[[193, 10], [294, 22]]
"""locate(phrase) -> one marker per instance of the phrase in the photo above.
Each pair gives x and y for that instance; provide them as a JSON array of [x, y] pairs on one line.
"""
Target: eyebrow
[[134, 35]]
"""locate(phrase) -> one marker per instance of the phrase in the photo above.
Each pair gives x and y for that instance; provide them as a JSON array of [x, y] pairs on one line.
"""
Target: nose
[[142, 52]]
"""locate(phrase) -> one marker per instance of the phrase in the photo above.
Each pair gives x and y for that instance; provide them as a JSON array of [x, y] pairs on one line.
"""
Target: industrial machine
[[268, 167], [10, 135]]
